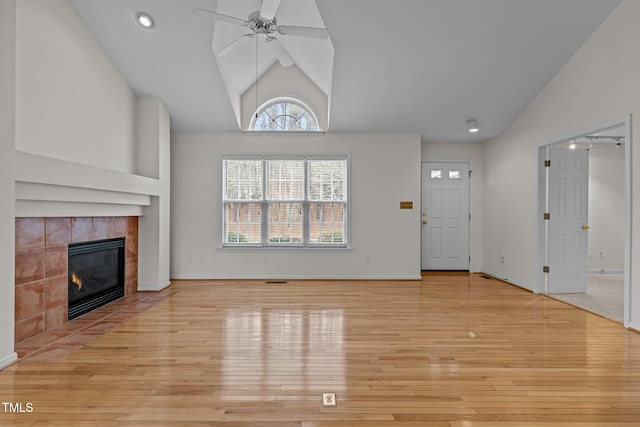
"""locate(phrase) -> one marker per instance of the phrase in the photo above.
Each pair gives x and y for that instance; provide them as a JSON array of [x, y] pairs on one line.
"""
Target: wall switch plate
[[329, 399]]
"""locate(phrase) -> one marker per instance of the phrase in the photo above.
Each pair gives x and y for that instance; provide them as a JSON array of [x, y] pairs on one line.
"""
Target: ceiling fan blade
[[269, 9], [280, 52], [229, 48], [311, 32], [223, 17]]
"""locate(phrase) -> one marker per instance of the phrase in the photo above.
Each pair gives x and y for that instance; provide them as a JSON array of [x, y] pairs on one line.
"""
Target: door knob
[[424, 221], [585, 227]]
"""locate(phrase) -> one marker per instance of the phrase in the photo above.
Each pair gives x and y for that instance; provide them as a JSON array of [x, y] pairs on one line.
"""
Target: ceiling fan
[[263, 23]]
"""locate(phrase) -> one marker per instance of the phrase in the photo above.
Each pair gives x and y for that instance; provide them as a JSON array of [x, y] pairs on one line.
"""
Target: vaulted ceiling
[[422, 66], [246, 48]]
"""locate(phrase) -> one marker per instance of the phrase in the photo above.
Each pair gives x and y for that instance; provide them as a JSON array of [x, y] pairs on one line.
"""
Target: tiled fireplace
[[41, 268]]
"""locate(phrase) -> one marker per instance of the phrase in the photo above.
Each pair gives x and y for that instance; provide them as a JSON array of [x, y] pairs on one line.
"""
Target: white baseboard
[[153, 287], [8, 360], [635, 326], [295, 277], [513, 282]]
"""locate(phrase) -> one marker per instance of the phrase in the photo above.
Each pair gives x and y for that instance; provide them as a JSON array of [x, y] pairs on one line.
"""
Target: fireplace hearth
[[96, 274]]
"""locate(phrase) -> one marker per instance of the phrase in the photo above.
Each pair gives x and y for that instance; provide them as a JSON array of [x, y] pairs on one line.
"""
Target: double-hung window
[[285, 201]]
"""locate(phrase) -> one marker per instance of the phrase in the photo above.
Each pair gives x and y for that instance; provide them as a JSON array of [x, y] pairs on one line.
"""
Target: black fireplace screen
[[96, 274]]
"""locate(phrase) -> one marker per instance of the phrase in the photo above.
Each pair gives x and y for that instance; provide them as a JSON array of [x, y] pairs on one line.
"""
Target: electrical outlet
[[329, 399]]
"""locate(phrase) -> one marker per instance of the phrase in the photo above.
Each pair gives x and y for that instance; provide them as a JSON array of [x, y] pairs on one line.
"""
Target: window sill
[[283, 247], [283, 133]]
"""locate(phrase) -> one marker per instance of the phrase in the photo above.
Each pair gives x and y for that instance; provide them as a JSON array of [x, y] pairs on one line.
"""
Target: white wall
[[76, 121], [599, 84], [606, 208], [385, 169], [71, 101], [472, 152], [7, 221]]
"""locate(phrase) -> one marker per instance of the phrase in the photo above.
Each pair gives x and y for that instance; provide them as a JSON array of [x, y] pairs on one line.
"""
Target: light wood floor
[[452, 350]]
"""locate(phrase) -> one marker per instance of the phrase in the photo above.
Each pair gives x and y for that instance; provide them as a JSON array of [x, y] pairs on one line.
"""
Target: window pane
[[454, 174], [327, 180], [285, 223], [436, 174], [284, 201], [326, 223], [284, 116], [243, 223], [285, 180], [243, 179]]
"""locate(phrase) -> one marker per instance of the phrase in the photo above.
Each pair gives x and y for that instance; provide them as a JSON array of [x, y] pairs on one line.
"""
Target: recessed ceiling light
[[473, 126], [145, 20]]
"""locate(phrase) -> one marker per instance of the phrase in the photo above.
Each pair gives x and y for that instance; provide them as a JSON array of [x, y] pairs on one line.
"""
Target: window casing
[[284, 115], [271, 201]]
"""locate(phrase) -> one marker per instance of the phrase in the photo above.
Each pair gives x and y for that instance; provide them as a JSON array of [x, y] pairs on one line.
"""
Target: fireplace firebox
[[96, 274]]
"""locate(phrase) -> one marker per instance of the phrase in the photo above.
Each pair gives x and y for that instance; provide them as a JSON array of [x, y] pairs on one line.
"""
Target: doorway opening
[[584, 220]]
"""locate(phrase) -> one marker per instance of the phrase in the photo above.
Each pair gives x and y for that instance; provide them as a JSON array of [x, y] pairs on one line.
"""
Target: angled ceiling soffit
[[243, 58]]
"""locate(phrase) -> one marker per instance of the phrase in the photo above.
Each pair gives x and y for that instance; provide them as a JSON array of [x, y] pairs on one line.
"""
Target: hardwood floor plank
[[450, 350]]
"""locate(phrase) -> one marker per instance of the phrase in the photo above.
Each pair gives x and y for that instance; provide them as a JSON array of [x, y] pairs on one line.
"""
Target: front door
[[568, 208], [445, 216]]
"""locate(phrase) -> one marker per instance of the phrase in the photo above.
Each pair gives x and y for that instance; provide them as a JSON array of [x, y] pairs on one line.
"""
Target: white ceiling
[[422, 66]]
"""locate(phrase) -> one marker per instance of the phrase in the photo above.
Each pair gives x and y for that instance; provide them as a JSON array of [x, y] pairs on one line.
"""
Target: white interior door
[[445, 216], [568, 226]]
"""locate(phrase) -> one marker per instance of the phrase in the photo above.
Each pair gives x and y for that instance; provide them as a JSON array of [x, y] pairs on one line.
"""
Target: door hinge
[[547, 216], [545, 269], [547, 163]]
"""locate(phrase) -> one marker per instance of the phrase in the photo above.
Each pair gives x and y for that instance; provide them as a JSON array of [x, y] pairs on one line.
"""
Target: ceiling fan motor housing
[[260, 25]]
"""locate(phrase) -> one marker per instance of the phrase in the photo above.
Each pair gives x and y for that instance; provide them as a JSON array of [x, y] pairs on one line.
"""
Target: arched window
[[284, 115]]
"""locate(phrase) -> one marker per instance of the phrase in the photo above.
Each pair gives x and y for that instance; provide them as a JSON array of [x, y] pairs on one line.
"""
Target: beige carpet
[[604, 296]]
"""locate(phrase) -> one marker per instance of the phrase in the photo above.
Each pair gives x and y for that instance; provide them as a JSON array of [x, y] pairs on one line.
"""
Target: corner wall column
[[7, 180], [152, 159]]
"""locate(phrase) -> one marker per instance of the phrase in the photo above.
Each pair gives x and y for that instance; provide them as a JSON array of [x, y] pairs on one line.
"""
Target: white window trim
[[306, 245], [279, 99]]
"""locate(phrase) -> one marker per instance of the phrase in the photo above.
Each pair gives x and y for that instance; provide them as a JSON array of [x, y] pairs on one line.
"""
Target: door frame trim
[[540, 279], [471, 204]]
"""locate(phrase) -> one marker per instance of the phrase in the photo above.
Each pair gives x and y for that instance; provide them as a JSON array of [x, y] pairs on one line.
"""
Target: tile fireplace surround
[[41, 266]]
